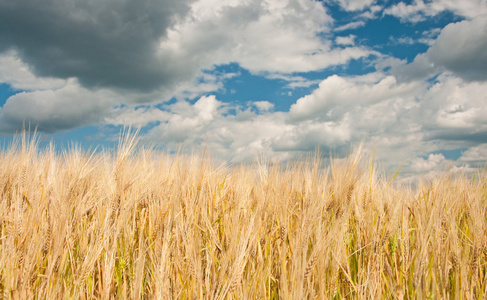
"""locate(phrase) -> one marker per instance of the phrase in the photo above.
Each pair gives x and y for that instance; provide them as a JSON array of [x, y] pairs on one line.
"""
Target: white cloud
[[433, 163], [52, 110], [386, 63], [207, 107], [466, 8], [351, 25], [449, 114], [460, 48], [263, 106], [187, 121], [306, 136], [245, 134], [406, 40], [400, 120], [433, 167], [421, 68], [411, 13], [372, 12], [354, 5], [454, 110], [262, 36], [345, 40], [336, 95], [368, 11], [477, 154], [429, 36], [419, 9], [236, 138]]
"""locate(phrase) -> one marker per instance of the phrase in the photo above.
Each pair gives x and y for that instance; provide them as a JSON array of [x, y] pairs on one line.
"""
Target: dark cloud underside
[[105, 43]]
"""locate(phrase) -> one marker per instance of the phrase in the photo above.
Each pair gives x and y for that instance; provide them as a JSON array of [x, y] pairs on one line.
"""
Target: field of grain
[[140, 224]]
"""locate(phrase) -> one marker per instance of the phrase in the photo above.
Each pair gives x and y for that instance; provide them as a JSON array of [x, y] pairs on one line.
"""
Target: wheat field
[[137, 223]]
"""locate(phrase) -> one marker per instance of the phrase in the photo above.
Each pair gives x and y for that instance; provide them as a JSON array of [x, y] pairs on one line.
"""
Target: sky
[[274, 79]]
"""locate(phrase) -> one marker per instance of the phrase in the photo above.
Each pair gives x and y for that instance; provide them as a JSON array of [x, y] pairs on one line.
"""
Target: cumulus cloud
[[188, 121], [454, 110], [306, 136], [432, 163], [402, 120], [247, 133], [233, 137], [262, 36], [448, 114], [420, 68], [337, 95], [475, 155], [460, 48], [412, 13], [68, 107]]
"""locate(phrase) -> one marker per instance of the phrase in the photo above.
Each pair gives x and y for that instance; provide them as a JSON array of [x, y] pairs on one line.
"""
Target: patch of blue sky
[[382, 35], [165, 104], [355, 67], [390, 36], [453, 154], [6, 91], [245, 87], [88, 138], [340, 16]]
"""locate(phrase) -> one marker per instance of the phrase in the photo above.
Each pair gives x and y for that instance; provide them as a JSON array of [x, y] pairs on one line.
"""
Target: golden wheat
[[141, 224]]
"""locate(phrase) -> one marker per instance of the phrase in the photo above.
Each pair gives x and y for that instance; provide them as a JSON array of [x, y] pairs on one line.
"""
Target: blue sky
[[248, 78]]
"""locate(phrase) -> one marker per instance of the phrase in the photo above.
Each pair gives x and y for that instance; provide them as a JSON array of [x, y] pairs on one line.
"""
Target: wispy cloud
[[419, 10]]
